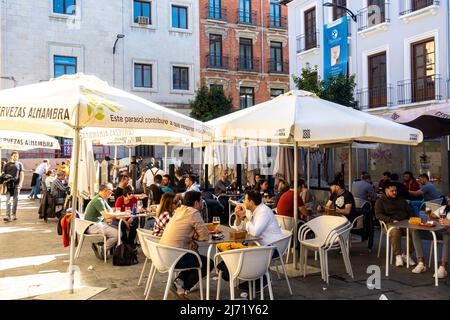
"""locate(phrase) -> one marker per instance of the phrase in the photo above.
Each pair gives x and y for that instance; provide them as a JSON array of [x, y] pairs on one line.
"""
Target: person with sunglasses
[[130, 225]]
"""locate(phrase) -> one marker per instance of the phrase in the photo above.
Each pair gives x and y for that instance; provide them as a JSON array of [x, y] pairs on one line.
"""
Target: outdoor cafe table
[[404, 224], [121, 216], [226, 232]]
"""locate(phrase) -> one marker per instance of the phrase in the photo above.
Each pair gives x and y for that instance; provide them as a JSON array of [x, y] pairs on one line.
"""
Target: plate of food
[[428, 224]]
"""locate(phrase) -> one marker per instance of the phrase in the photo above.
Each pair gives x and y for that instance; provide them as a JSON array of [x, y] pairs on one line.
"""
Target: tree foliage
[[335, 89], [210, 103]]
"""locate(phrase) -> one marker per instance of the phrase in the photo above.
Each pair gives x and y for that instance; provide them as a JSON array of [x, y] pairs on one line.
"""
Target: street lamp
[[352, 15], [119, 36]]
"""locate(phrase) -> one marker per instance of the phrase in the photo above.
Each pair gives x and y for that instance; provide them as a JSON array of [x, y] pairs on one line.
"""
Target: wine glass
[[216, 223]]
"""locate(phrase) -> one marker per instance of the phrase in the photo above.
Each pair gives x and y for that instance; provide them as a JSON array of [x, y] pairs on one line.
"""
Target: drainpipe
[[262, 38]]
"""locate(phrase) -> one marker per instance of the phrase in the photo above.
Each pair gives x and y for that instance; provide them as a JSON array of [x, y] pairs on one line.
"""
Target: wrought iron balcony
[[409, 6], [373, 15], [375, 97], [420, 89], [277, 66], [216, 13], [247, 64], [307, 41], [246, 17], [214, 61], [277, 21]]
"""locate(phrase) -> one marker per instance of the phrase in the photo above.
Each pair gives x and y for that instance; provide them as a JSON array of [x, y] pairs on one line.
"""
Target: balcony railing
[[214, 61], [277, 21], [247, 64], [420, 89], [277, 66], [216, 13], [410, 6], [246, 17], [373, 15], [307, 41], [375, 97]]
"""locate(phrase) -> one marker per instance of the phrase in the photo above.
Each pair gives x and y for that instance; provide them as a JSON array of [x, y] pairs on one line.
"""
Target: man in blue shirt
[[427, 190]]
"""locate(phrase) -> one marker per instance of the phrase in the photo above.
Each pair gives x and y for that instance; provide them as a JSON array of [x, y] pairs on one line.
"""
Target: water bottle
[[134, 210]]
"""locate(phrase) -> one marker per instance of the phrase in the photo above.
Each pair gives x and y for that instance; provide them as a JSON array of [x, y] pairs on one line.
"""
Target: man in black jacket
[[390, 208]]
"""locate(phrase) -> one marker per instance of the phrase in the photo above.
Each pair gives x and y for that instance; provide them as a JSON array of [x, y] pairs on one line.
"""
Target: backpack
[[124, 255]]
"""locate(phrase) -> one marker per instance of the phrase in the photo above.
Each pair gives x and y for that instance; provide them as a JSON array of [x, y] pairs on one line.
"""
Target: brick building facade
[[244, 49]]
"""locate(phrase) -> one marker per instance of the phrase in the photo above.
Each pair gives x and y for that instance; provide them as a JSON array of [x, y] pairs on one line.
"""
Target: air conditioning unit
[[143, 20]]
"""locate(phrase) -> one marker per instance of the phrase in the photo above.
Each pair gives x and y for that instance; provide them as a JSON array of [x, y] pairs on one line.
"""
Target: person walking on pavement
[[16, 170]]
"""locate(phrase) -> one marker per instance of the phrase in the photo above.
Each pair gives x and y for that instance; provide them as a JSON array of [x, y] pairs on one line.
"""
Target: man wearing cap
[[341, 199]]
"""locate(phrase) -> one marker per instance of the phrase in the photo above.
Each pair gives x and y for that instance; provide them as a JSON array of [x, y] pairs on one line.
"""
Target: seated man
[[123, 182], [390, 208], [185, 227], [166, 183], [59, 189], [427, 190], [363, 189], [342, 200], [98, 211], [285, 205], [223, 184], [259, 221], [443, 234]]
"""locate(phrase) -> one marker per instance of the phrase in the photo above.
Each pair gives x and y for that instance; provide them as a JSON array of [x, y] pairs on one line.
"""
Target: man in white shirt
[[40, 171], [257, 219], [149, 177]]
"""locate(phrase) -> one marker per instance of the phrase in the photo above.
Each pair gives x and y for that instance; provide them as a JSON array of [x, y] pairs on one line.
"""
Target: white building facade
[[399, 52], [156, 55]]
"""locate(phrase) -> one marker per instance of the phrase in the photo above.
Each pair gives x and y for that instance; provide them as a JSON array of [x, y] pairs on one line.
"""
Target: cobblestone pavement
[[33, 261]]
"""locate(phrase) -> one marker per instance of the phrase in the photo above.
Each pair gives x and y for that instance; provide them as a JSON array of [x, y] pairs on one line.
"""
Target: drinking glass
[[442, 214], [216, 222], [139, 206]]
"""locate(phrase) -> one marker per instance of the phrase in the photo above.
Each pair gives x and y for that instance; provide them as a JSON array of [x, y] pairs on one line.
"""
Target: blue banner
[[335, 48]]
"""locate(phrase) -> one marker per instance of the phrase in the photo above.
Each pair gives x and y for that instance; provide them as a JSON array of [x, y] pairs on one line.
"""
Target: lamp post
[[119, 36], [352, 15]]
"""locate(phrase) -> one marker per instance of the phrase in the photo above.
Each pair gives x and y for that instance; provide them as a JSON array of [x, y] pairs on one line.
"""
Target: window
[[338, 12], [180, 78], [215, 9], [179, 17], [215, 51], [276, 92], [247, 97], [143, 77], [245, 54], [245, 10], [64, 65], [276, 57], [142, 9], [377, 80], [310, 29], [423, 70], [275, 14], [420, 4], [64, 6]]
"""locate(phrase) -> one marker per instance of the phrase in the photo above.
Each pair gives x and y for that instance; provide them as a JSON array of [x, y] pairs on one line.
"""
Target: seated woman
[[444, 235], [128, 200], [281, 189], [164, 213]]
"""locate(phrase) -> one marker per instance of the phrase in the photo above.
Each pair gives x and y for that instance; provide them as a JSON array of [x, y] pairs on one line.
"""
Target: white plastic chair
[[282, 246], [164, 259], [142, 235], [433, 204], [322, 227], [383, 231], [286, 223], [81, 226], [249, 264], [339, 239]]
